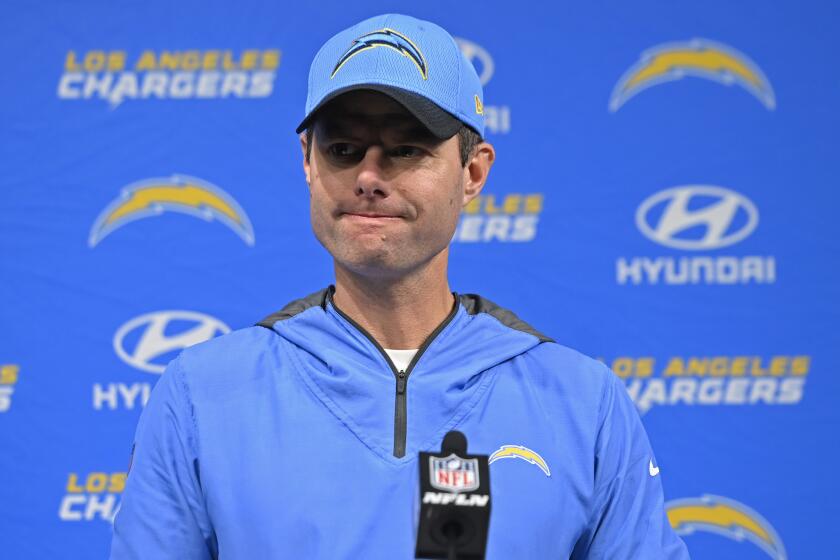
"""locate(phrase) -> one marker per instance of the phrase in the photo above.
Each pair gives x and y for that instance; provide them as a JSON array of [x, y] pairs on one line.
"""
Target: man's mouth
[[371, 215]]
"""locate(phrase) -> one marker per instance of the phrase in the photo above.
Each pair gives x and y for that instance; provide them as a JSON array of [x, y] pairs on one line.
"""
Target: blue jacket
[[300, 441]]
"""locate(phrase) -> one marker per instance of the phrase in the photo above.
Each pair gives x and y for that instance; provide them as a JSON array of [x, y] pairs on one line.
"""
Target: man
[[298, 438]]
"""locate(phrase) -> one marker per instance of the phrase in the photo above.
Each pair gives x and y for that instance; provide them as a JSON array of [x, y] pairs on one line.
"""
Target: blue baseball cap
[[415, 62]]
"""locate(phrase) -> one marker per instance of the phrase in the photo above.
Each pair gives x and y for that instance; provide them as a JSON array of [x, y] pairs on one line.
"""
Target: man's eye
[[406, 152], [343, 150]]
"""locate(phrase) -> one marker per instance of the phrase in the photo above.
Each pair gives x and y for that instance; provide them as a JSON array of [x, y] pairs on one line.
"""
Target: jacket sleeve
[[628, 518], [162, 514]]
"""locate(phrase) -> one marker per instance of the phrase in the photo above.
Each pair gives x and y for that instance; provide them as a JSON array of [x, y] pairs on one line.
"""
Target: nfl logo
[[454, 474]]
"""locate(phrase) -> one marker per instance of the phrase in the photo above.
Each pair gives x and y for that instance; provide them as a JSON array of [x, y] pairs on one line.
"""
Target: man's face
[[385, 194]]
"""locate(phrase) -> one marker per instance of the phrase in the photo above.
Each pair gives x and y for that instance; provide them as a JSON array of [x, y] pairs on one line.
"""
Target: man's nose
[[370, 182]]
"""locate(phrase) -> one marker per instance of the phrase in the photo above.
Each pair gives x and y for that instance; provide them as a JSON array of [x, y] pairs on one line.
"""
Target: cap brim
[[439, 122]]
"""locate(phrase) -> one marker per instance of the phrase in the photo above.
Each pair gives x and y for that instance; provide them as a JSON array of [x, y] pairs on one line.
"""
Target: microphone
[[454, 442], [455, 502]]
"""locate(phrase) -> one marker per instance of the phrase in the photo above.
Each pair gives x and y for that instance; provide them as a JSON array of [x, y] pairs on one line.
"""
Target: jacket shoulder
[[315, 299], [228, 352], [476, 304], [242, 358], [244, 354], [566, 371]]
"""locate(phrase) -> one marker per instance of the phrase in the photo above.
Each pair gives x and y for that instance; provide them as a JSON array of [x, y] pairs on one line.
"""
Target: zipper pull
[[401, 382]]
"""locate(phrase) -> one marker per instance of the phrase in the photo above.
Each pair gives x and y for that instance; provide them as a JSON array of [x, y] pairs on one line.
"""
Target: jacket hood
[[348, 371]]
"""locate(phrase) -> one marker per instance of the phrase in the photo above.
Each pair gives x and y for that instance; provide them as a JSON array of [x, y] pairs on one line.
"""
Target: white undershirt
[[401, 358]]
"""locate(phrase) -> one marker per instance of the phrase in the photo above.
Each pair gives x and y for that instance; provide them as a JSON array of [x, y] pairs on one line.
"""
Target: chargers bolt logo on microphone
[[385, 38], [178, 193], [455, 505], [700, 58]]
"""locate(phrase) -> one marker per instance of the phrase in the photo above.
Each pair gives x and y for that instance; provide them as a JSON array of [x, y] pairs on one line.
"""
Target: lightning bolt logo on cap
[[178, 193], [385, 38], [725, 517], [699, 58], [520, 452]]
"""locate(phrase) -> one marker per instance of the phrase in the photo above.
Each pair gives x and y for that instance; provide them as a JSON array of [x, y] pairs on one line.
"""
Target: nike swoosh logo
[[652, 470]]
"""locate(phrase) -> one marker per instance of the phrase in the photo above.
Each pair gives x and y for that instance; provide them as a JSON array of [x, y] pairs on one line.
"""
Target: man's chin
[[382, 257], [374, 266]]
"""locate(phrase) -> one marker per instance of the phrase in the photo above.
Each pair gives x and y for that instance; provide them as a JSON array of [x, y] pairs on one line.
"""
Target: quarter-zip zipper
[[401, 376]]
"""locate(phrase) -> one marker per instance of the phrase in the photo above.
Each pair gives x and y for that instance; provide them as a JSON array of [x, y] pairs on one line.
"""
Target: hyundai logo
[[150, 341], [697, 217], [480, 59]]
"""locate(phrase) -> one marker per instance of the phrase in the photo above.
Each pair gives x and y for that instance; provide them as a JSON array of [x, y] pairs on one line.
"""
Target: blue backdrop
[[664, 199]]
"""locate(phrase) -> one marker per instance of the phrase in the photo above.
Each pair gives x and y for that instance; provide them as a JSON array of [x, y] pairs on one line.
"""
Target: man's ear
[[477, 170], [303, 148]]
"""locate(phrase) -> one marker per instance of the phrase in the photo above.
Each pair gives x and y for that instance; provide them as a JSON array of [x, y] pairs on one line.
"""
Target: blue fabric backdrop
[[664, 199]]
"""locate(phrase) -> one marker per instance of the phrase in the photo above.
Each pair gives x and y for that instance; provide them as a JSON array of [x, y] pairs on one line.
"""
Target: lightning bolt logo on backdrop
[[178, 193], [725, 517], [385, 38], [700, 58]]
